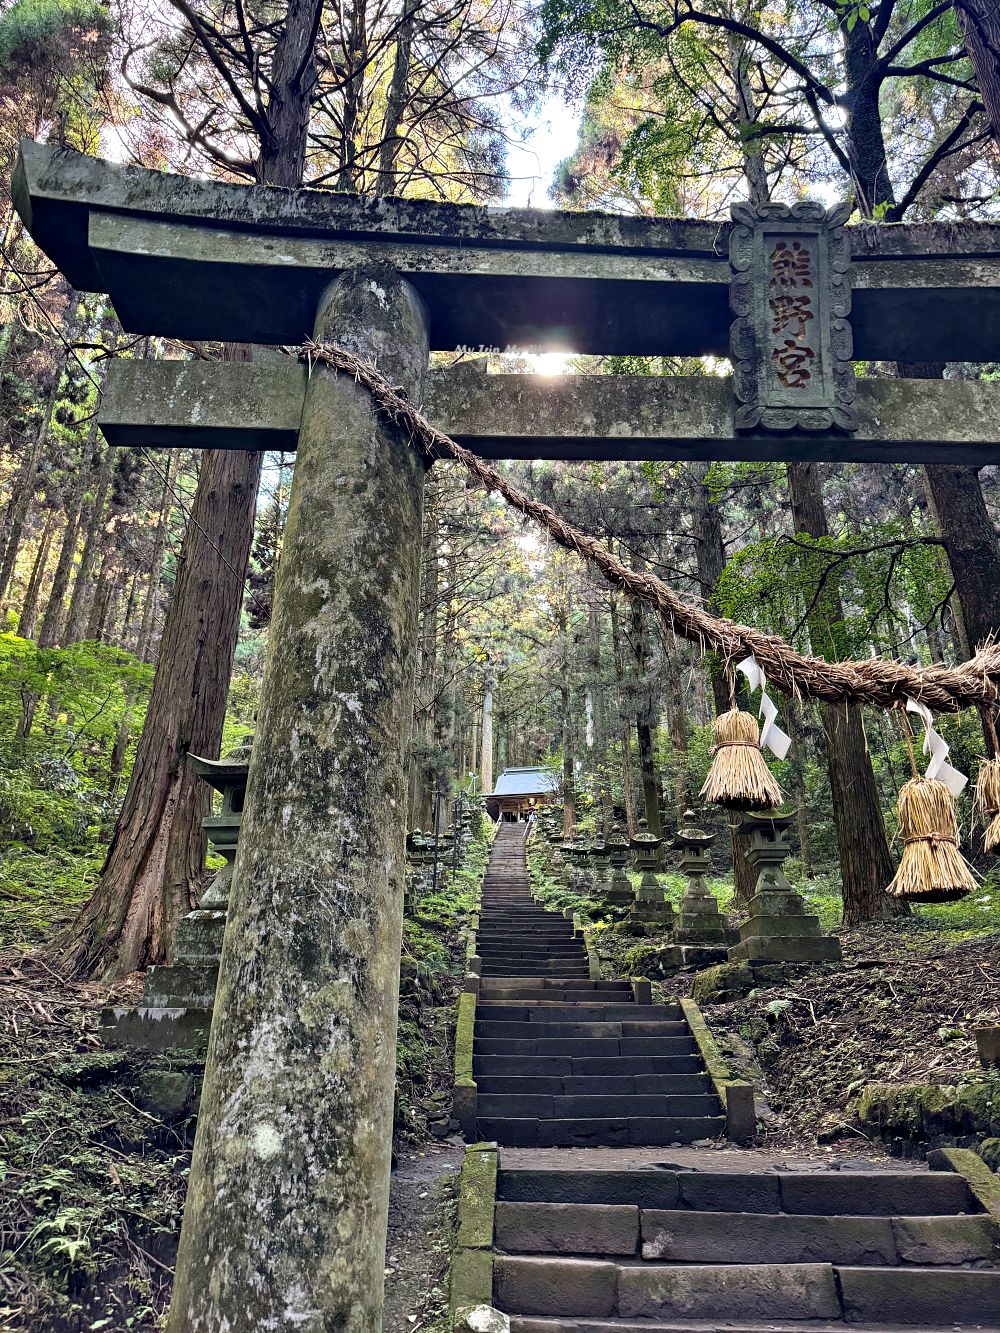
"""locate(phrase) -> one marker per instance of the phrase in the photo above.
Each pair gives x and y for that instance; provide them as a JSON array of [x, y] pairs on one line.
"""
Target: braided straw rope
[[869, 681]]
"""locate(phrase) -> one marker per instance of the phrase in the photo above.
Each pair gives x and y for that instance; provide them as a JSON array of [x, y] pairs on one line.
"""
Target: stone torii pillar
[[286, 1212]]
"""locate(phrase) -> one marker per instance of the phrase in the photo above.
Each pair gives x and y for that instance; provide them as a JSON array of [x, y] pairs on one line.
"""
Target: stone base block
[[619, 898], [199, 938], [181, 985], [776, 904], [157, 1028], [787, 949], [699, 956], [777, 927]]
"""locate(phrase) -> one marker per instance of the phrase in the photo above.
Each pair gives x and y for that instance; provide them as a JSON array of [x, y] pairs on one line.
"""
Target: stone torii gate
[[285, 1221]]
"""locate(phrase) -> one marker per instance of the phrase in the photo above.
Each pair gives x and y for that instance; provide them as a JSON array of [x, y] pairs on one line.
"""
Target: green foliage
[[56, 804], [91, 1181], [31, 30]]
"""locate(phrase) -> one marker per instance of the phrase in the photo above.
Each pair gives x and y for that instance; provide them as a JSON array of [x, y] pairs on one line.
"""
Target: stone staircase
[[563, 1060], [658, 1250]]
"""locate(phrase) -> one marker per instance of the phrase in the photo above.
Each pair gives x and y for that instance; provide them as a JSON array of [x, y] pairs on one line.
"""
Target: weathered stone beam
[[233, 405], [166, 403], [202, 259]]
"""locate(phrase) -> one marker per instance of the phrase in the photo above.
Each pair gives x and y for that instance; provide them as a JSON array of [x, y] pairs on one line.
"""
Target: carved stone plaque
[[791, 344]]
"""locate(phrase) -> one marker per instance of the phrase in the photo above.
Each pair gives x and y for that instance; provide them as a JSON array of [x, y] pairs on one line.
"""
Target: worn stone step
[[577, 1107], [599, 1288], [537, 976], [531, 990], [875, 1193], [530, 932], [921, 1296], [683, 1237], [569, 1324], [647, 1188], [895, 1194], [591, 1048], [522, 967], [668, 1085], [536, 1031], [589, 986], [605, 1131], [553, 1012], [528, 961], [570, 1007], [567, 1228], [543, 1027], [683, 1061], [569, 972], [537, 943]]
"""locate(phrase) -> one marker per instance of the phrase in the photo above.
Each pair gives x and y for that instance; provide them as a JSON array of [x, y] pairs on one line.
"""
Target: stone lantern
[[650, 911], [416, 856], [229, 777], [600, 860], [778, 930], [703, 933], [619, 893], [177, 998]]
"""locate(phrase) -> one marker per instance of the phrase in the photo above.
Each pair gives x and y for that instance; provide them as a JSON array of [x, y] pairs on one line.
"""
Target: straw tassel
[[932, 869], [739, 778], [987, 796]]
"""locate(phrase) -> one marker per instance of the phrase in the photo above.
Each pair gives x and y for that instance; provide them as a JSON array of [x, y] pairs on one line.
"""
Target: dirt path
[[421, 1229]]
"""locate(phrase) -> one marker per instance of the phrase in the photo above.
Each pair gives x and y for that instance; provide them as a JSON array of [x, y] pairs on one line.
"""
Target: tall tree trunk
[[153, 870], [624, 729], [33, 592], [644, 723], [865, 863], [980, 25], [395, 105], [23, 492], [486, 749], [79, 602], [796, 733], [145, 640], [55, 612]]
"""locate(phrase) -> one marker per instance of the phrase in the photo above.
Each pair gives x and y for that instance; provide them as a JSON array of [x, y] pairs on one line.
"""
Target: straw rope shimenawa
[[869, 681]]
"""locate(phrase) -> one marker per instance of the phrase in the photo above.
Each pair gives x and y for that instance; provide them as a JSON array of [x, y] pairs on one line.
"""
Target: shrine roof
[[525, 782]]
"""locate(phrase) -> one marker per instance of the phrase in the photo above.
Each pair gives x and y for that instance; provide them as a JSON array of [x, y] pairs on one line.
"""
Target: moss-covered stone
[[931, 1113], [168, 1093], [983, 1184], [477, 1192], [465, 1031], [722, 982], [470, 1280]]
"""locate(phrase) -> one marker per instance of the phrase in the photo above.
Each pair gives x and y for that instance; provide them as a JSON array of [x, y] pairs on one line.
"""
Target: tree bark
[[970, 541], [644, 723], [77, 615], [55, 611], [866, 866], [153, 870], [23, 491], [32, 596], [980, 25]]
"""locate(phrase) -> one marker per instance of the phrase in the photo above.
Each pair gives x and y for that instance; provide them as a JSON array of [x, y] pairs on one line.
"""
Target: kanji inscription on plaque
[[791, 343]]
